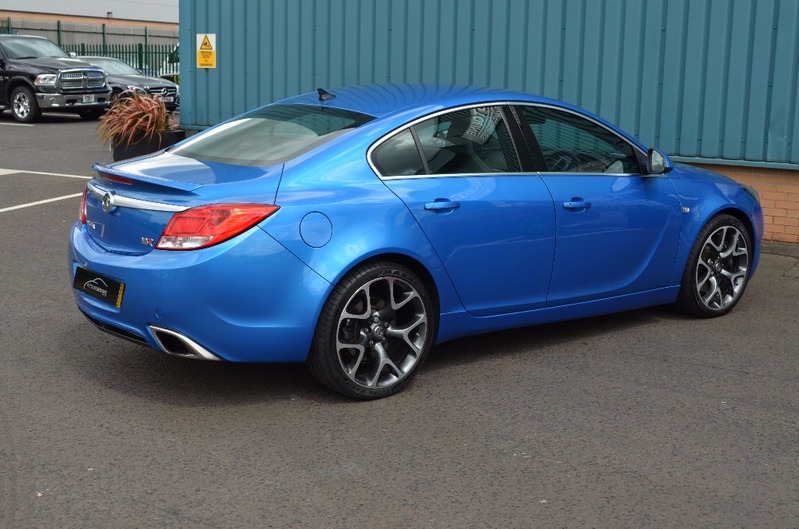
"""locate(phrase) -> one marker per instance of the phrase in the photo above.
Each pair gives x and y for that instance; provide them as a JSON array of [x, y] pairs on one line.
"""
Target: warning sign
[[206, 50]]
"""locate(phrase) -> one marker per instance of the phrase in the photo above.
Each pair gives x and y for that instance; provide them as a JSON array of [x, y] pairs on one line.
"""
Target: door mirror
[[657, 162]]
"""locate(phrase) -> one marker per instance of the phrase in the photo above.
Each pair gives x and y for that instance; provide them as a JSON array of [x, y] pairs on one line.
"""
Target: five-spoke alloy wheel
[[718, 268], [374, 332]]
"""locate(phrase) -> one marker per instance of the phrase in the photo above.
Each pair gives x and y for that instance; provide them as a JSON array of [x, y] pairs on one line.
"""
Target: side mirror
[[73, 54], [657, 162]]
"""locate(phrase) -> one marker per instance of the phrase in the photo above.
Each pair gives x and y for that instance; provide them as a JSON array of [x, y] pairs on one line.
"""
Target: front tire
[[718, 268], [374, 333], [24, 105]]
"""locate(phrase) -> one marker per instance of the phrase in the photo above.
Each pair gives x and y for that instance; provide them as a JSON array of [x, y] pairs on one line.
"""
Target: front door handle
[[442, 204]]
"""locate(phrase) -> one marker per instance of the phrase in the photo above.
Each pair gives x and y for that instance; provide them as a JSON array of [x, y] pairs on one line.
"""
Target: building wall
[[709, 81], [779, 196], [86, 20]]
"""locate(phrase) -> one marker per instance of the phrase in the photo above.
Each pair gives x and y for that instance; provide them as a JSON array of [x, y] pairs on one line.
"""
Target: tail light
[[206, 226], [82, 212]]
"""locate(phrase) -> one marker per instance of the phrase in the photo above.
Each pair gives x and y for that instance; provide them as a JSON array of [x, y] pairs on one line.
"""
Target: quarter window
[[399, 156], [573, 144]]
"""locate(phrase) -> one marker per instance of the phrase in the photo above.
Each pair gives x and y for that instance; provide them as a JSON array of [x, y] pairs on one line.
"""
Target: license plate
[[97, 286], [89, 98], [168, 99]]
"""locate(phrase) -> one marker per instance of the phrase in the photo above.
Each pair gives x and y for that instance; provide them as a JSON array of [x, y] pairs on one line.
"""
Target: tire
[[91, 115], [24, 105], [375, 332], [718, 268]]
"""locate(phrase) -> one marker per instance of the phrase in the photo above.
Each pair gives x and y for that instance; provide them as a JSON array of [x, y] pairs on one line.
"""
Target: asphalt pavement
[[641, 419]]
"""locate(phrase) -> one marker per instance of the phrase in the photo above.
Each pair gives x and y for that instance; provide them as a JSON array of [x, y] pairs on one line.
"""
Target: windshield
[[112, 66], [31, 48], [270, 135]]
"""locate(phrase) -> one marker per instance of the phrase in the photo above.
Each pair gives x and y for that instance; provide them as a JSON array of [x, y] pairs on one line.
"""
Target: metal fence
[[154, 51], [159, 60]]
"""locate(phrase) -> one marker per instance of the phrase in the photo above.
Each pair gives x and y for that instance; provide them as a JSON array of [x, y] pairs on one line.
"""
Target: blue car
[[353, 229]]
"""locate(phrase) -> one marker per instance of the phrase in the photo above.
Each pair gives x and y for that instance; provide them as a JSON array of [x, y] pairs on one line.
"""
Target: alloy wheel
[[722, 268], [381, 333]]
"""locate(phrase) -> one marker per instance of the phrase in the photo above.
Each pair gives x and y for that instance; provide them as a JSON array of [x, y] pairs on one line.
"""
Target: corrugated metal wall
[[714, 79]]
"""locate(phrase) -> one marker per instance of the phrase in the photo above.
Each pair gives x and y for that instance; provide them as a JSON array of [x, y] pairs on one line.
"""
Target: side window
[[398, 156], [573, 144], [473, 140]]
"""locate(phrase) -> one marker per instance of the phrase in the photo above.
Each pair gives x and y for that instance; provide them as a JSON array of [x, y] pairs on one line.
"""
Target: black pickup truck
[[36, 75]]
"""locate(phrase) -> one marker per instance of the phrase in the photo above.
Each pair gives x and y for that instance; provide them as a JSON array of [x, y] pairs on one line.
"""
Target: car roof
[[384, 99], [15, 36]]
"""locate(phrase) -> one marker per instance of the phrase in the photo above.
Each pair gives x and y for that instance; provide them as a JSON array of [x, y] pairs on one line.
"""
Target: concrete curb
[[781, 248], [785, 249]]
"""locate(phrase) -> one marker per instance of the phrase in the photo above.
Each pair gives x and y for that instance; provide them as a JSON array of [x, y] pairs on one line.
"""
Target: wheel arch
[[696, 224], [16, 82], [740, 215], [412, 264]]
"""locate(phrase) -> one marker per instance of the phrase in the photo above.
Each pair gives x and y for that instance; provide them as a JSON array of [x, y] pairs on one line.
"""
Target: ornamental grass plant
[[134, 117]]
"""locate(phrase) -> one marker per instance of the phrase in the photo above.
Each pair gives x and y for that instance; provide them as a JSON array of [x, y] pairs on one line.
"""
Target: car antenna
[[324, 95]]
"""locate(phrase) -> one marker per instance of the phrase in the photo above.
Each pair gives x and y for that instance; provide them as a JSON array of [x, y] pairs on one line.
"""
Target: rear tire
[[375, 331], [718, 268], [24, 105]]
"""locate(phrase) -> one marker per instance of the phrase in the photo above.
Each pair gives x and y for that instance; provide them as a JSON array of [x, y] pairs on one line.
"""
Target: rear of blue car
[[171, 252]]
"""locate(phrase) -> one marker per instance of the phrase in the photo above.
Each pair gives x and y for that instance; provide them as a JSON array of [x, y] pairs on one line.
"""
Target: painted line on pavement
[[42, 173], [40, 202]]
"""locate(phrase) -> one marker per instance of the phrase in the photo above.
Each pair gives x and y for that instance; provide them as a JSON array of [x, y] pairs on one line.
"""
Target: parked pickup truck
[[36, 75]]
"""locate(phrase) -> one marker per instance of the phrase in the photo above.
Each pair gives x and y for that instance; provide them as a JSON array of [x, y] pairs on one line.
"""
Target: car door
[[617, 230], [491, 224]]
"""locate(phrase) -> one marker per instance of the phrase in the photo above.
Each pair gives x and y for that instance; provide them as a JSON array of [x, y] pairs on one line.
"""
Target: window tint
[[573, 144], [398, 156], [270, 135], [466, 141]]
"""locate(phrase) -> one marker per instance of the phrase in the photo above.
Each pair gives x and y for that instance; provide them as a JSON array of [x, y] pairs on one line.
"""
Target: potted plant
[[137, 124]]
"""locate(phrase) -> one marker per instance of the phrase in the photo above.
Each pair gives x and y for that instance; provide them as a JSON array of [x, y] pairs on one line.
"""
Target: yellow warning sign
[[206, 50]]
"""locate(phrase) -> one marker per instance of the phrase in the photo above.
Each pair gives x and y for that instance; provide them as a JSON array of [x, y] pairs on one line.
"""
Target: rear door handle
[[442, 204], [577, 203]]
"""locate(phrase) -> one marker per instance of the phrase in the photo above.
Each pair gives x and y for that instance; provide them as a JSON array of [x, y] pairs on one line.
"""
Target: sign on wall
[[206, 50]]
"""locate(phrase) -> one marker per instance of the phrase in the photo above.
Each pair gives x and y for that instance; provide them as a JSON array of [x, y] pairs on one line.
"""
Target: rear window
[[271, 135]]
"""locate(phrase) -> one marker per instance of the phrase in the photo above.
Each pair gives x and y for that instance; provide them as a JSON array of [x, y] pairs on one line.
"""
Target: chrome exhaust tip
[[176, 344]]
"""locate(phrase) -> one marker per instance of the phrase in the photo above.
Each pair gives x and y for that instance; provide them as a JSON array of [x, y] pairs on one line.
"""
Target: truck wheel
[[24, 105]]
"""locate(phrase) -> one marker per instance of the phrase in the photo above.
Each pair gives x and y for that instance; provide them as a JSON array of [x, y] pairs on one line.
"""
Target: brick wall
[[779, 196]]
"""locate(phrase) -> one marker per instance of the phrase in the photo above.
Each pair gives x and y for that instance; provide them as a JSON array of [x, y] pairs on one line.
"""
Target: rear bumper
[[245, 300]]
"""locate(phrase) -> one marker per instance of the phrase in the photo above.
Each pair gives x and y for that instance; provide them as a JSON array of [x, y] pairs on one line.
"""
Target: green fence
[[159, 60]]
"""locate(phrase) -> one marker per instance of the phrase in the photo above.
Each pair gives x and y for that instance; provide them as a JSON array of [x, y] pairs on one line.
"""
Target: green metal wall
[[709, 79]]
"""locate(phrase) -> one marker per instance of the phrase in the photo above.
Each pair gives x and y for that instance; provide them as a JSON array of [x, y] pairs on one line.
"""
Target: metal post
[[140, 55]]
